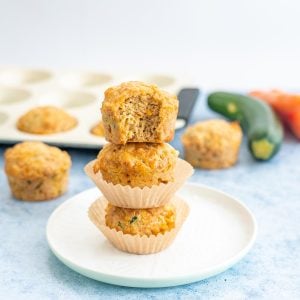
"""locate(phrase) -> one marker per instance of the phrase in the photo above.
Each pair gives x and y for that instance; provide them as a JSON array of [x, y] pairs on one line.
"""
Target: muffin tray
[[77, 92]]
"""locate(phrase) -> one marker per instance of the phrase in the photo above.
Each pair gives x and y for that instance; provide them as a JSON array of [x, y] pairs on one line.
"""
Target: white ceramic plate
[[219, 231]]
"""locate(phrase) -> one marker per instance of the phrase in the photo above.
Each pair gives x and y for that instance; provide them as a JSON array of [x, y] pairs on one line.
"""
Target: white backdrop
[[230, 43]]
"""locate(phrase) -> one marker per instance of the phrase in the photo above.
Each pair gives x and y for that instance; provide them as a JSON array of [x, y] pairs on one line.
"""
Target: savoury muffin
[[138, 112], [137, 164], [46, 120], [36, 171], [98, 129], [212, 144], [150, 221]]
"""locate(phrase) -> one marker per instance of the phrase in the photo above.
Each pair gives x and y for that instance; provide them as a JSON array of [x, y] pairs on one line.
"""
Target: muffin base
[[135, 243], [211, 162], [39, 189]]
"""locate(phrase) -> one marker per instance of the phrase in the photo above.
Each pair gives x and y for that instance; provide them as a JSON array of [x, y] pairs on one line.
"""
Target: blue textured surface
[[28, 270]]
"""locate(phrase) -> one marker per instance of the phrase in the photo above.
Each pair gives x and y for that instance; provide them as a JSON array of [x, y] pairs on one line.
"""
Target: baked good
[[138, 112], [36, 171], [140, 231], [150, 221], [212, 144], [137, 164], [98, 129], [46, 120]]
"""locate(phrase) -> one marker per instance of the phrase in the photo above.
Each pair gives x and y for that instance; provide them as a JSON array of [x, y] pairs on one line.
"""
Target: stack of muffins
[[138, 172]]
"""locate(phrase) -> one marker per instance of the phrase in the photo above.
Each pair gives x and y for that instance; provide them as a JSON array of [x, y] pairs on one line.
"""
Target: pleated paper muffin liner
[[135, 243], [136, 197]]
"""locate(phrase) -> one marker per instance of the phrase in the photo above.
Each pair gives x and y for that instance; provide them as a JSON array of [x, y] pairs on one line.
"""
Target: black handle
[[187, 98]]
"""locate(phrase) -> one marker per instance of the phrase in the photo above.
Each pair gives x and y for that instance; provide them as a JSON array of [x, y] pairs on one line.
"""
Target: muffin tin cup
[[135, 243], [128, 197]]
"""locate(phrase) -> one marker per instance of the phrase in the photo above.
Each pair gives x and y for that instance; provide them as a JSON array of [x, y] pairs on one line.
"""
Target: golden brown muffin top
[[212, 133], [31, 160], [147, 154], [141, 221], [114, 96], [46, 120], [136, 164]]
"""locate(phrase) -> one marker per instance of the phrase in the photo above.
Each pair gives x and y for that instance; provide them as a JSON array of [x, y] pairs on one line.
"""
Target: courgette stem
[[262, 148], [232, 108]]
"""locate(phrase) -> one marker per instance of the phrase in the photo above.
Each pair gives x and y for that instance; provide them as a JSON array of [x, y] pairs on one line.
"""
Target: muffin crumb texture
[[138, 112], [151, 221], [36, 171], [212, 144], [46, 120], [137, 164]]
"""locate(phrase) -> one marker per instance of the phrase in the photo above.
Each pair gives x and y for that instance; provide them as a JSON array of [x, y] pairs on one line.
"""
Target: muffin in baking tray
[[46, 120], [98, 129], [150, 221], [138, 112], [137, 164], [212, 144], [36, 171]]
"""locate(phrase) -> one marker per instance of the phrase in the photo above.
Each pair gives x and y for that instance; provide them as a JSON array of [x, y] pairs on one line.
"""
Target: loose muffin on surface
[[137, 164], [212, 144], [150, 221], [138, 112], [46, 120], [36, 171], [98, 129]]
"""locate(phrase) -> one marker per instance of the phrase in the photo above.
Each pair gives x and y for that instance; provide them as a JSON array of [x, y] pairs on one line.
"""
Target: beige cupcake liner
[[128, 197], [135, 243]]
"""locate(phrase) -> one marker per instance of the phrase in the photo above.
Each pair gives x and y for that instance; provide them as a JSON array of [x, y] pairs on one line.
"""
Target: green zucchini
[[262, 126]]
